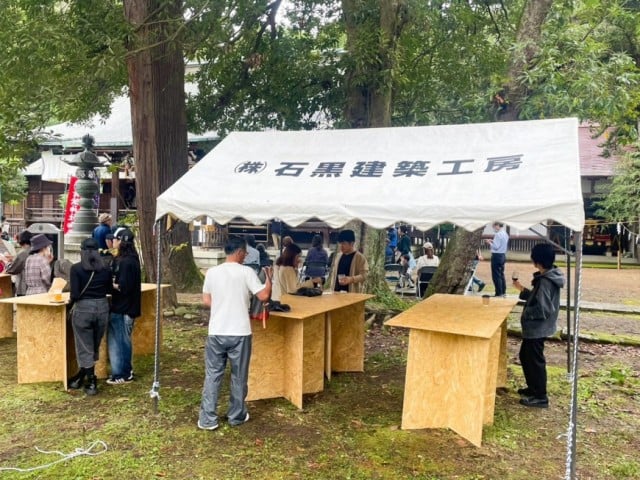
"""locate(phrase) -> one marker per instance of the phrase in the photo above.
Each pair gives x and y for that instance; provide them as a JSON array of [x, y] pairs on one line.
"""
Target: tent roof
[[53, 168], [111, 132], [521, 173]]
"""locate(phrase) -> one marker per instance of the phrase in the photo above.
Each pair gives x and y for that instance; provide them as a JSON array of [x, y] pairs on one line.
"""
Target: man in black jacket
[[125, 306]]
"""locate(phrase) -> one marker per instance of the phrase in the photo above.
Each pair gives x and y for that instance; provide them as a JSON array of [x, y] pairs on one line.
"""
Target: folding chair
[[392, 274], [423, 278]]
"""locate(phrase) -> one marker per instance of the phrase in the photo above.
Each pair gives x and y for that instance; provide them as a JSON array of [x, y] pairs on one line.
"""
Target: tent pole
[[568, 305], [155, 389], [570, 467]]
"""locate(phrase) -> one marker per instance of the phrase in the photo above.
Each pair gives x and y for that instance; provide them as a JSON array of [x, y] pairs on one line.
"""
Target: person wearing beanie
[[125, 306], [91, 282], [349, 269], [37, 268], [16, 266]]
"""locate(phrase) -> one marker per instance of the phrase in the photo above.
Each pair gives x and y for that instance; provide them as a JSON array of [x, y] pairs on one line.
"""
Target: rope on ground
[[65, 456]]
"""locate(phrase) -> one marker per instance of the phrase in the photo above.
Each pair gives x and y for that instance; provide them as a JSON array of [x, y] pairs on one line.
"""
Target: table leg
[[41, 343], [287, 359], [327, 347], [347, 338], [6, 320], [143, 337], [445, 390], [502, 359]]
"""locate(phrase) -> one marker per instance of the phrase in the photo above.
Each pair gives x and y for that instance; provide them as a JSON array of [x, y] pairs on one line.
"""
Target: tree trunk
[[156, 82], [453, 272], [528, 37], [369, 81]]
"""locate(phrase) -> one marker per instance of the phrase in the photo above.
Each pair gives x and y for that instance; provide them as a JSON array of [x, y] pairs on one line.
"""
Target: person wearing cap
[[349, 268], [91, 282], [429, 259], [101, 231], [37, 268], [16, 266], [125, 306]]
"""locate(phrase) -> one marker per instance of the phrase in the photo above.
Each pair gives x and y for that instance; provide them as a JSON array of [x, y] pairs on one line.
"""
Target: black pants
[[497, 273], [534, 365]]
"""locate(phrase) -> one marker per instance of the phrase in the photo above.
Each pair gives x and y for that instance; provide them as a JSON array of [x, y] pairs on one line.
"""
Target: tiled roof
[[592, 163]]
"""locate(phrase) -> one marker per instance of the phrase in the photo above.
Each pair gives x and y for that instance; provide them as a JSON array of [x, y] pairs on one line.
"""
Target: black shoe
[[535, 402], [481, 286], [76, 381], [525, 392], [91, 388]]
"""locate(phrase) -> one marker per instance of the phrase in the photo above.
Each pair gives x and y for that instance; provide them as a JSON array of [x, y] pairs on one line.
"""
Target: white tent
[[521, 173], [113, 131], [54, 168]]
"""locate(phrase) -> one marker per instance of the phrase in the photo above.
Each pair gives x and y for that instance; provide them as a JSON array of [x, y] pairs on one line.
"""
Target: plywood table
[[45, 343], [456, 359], [320, 334], [6, 310]]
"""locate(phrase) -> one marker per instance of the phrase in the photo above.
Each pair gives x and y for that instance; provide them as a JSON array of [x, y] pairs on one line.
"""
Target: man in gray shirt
[[499, 246]]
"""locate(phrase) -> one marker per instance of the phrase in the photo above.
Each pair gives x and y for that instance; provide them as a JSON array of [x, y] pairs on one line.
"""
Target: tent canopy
[[520, 173], [53, 168]]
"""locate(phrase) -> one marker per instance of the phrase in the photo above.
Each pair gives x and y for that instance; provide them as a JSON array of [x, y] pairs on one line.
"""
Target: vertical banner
[[73, 204]]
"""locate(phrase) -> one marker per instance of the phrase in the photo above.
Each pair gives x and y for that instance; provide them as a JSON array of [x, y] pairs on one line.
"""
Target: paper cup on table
[[485, 300]]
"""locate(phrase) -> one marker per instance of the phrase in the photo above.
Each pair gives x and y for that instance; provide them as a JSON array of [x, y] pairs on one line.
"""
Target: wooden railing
[[44, 215]]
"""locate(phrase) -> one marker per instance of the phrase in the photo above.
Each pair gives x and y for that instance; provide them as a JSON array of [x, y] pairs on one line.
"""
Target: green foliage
[[621, 200], [57, 60], [13, 184], [260, 75]]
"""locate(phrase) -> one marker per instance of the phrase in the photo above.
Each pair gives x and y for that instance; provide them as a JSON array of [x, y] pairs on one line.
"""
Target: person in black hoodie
[[539, 320], [125, 306], [90, 283]]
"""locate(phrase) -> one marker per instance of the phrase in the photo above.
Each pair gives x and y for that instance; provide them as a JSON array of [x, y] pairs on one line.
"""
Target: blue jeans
[[219, 349], [119, 342]]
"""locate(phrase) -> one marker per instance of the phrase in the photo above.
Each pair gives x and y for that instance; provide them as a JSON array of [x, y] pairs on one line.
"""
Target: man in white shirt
[[227, 290]]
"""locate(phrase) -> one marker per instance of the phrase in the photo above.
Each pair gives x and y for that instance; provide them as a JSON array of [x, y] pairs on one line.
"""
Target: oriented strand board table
[[6, 311], [319, 335], [45, 344], [456, 359]]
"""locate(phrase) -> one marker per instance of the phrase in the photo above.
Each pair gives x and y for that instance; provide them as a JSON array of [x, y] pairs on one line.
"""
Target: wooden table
[[319, 335], [6, 310], [457, 357], [45, 344]]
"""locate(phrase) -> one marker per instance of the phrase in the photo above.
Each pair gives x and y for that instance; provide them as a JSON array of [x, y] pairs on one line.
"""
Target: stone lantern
[[87, 188]]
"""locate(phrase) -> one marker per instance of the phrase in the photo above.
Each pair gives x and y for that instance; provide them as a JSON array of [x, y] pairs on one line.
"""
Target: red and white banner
[[73, 205]]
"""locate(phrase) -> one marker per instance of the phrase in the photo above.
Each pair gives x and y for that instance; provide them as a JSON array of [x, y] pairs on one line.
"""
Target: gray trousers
[[217, 350], [89, 321]]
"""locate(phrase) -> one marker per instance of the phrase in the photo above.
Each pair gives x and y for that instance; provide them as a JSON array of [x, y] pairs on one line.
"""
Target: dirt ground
[[607, 285]]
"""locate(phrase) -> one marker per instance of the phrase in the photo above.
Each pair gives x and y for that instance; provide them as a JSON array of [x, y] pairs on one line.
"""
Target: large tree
[[156, 87]]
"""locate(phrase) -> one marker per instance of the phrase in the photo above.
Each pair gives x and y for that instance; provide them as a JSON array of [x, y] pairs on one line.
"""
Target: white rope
[[65, 456]]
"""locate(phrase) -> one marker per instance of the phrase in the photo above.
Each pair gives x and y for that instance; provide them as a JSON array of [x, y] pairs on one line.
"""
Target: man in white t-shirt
[[227, 290]]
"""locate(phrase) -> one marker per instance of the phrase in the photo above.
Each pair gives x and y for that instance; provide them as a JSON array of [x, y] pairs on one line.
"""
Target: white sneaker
[[211, 427]]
